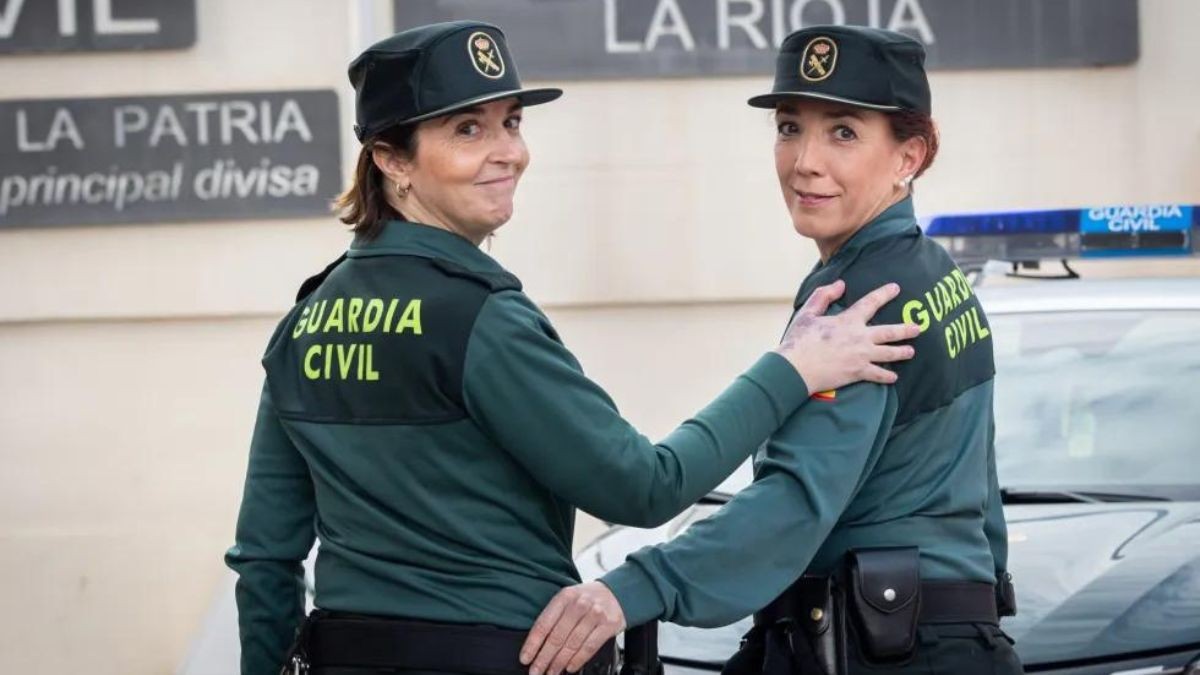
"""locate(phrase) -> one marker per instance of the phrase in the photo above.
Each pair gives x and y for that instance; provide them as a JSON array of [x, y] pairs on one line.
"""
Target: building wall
[[649, 225], [128, 363]]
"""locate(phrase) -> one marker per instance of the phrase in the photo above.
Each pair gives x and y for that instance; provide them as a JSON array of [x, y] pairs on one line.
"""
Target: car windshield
[[1102, 401]]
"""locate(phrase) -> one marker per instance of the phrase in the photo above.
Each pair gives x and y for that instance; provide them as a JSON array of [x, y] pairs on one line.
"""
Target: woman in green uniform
[[421, 418], [885, 497]]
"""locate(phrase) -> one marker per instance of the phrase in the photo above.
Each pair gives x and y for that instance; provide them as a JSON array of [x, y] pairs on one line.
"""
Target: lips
[[497, 182], [813, 199]]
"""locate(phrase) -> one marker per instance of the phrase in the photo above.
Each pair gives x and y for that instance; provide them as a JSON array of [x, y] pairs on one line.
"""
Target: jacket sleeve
[[994, 525], [274, 535], [735, 562], [528, 392]]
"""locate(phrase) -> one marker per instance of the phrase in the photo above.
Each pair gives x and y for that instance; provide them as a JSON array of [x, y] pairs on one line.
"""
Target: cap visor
[[774, 98], [525, 96]]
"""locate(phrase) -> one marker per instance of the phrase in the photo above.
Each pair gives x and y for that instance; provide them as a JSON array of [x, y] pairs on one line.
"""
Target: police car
[[1097, 446]]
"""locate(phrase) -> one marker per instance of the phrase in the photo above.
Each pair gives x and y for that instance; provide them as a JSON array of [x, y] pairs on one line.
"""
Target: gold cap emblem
[[818, 59], [485, 56]]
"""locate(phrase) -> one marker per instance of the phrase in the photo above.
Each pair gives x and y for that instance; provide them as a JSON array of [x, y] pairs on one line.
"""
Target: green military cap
[[866, 67], [432, 70]]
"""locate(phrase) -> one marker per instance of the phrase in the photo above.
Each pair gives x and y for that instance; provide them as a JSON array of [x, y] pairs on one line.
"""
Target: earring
[[402, 192], [903, 182]]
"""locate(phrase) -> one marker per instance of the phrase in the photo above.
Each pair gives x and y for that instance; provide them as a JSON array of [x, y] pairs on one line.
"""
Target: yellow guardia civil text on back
[[365, 316], [938, 306]]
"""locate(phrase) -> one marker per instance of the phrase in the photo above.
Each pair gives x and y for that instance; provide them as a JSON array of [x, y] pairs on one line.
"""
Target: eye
[[787, 128], [844, 133], [468, 128], [513, 122]]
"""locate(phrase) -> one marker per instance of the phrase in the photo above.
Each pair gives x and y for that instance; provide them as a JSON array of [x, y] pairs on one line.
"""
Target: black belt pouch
[[815, 608], [884, 595]]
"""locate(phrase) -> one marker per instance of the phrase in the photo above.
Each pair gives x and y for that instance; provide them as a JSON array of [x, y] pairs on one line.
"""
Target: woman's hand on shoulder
[[834, 351]]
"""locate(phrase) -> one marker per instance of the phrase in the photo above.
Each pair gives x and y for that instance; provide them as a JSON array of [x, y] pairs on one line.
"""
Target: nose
[[809, 156], [508, 149]]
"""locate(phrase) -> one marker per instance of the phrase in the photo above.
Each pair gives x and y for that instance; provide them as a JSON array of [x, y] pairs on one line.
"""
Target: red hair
[[908, 124]]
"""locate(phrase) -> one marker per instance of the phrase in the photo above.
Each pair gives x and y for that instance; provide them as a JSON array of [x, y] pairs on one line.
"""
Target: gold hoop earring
[[402, 192]]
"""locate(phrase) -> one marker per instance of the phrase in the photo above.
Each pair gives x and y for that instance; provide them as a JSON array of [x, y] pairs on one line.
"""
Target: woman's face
[[838, 168], [466, 169]]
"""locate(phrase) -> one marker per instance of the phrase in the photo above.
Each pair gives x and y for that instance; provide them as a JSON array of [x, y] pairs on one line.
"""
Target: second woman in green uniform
[[884, 497]]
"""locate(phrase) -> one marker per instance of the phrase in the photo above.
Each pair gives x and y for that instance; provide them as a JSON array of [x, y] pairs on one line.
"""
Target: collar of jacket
[[405, 238], [896, 220]]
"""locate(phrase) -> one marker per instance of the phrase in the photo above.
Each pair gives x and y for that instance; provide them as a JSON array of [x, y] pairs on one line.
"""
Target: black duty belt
[[336, 639], [958, 602], [876, 602], [941, 602]]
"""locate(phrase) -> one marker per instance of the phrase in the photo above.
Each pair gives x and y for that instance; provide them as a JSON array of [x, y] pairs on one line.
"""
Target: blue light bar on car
[[1016, 222], [1159, 229]]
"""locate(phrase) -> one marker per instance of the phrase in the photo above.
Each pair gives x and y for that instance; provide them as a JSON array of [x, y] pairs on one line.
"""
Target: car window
[[1104, 399]]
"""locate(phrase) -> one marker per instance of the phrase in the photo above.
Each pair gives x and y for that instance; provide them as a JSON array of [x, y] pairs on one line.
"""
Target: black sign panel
[[168, 158], [652, 38], [96, 25]]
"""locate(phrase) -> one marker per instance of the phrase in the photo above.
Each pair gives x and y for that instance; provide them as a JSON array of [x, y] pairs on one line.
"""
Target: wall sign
[[168, 158], [565, 39], [96, 25]]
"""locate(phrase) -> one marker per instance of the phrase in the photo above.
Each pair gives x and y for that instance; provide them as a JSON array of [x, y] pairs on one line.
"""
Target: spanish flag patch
[[830, 395]]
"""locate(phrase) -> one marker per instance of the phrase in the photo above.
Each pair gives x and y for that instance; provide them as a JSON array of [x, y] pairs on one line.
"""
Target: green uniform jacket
[[868, 465], [423, 420]]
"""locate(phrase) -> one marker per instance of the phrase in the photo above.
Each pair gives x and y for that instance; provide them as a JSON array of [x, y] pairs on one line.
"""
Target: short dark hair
[[364, 204], [908, 124]]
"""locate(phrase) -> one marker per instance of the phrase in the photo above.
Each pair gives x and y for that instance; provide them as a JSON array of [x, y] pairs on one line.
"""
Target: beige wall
[[128, 365], [649, 224]]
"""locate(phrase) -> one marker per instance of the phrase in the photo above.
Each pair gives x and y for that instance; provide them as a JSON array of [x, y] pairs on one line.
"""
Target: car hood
[[1101, 580], [1093, 580]]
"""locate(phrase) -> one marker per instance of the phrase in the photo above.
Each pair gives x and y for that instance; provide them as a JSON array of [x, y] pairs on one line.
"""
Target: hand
[[834, 351], [572, 628]]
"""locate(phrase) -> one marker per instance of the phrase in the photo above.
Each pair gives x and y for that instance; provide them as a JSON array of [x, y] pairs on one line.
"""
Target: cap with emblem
[[865, 67], [433, 70]]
